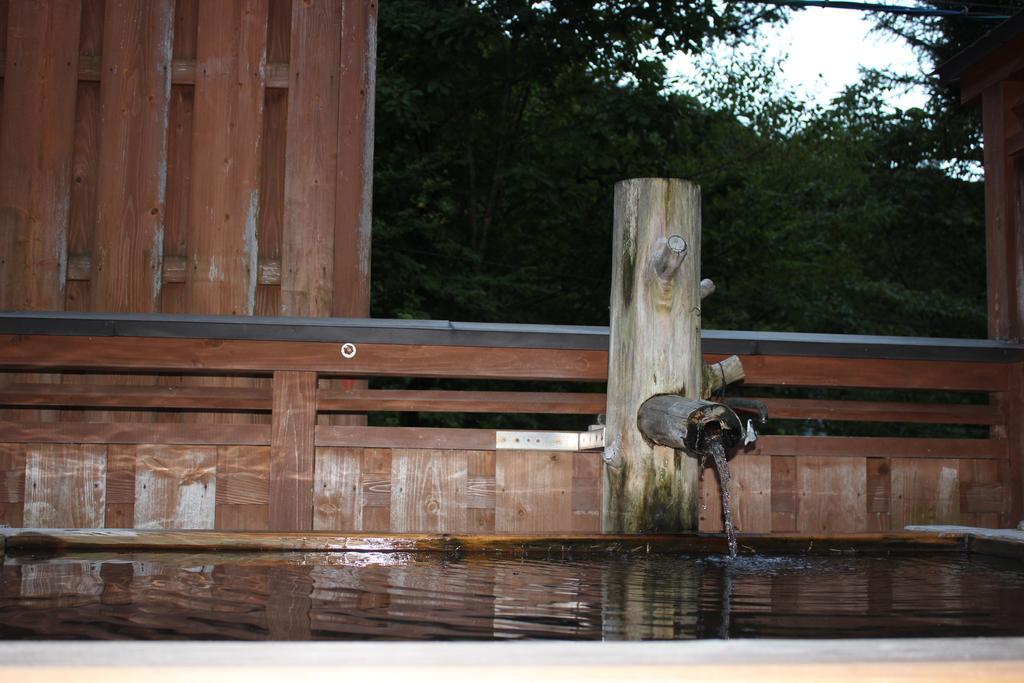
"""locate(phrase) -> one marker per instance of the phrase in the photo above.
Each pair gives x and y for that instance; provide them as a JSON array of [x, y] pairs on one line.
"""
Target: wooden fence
[[282, 470]]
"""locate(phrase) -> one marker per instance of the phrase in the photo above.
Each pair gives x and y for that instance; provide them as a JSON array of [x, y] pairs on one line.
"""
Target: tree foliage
[[502, 127]]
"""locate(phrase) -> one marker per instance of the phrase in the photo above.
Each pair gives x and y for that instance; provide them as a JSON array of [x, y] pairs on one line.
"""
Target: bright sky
[[824, 48]]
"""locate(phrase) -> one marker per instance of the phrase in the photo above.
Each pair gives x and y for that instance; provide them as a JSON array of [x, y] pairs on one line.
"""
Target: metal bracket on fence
[[590, 440]]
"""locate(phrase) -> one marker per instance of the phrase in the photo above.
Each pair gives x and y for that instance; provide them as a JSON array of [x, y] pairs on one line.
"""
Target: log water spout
[[701, 429]]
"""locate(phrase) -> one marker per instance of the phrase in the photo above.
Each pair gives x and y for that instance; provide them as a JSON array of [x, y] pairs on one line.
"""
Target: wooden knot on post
[[668, 254]]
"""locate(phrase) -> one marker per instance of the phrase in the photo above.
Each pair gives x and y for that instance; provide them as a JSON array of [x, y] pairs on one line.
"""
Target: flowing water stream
[[716, 450]]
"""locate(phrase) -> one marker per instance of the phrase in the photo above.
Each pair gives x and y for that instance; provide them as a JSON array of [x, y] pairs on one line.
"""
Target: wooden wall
[[200, 156]]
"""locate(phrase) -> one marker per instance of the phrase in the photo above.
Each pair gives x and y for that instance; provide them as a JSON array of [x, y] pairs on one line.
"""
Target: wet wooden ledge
[[131, 540]]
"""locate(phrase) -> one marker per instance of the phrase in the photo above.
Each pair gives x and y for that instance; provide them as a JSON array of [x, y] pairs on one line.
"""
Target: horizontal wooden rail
[[882, 411], [183, 71], [469, 439], [881, 447], [46, 352], [519, 402], [268, 270], [127, 397]]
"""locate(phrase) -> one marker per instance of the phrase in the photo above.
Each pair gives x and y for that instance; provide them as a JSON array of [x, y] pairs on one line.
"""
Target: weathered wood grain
[[135, 92], [881, 447], [175, 487], [654, 348], [226, 137], [337, 490], [354, 185], [37, 139], [162, 396], [831, 494], [406, 437], [134, 433], [65, 486], [882, 411], [428, 490], [879, 494], [307, 248], [120, 486], [12, 473], [533, 492], [784, 499], [751, 496], [292, 451], [925, 492], [191, 355], [243, 475]]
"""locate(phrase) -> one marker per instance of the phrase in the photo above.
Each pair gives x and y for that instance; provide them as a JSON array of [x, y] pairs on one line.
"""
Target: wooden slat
[[192, 355], [925, 492], [354, 186], [405, 437], [120, 494], [830, 494], [37, 139], [881, 447], [175, 487], [784, 501], [12, 473], [868, 373], [243, 475], [292, 451], [879, 411], [428, 490], [307, 250], [751, 496], [337, 490], [65, 486], [134, 433], [127, 245], [878, 495], [175, 267], [533, 492], [365, 400], [226, 138], [981, 491], [94, 396]]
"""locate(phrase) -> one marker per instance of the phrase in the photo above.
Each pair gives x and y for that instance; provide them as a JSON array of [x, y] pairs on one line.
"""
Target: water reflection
[[408, 596]]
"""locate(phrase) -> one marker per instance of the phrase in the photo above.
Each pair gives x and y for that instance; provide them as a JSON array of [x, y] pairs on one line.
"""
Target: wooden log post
[[654, 349]]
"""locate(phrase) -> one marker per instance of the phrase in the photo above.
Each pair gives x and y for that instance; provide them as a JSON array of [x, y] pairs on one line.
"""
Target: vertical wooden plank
[[120, 509], [243, 487], [784, 501], [831, 496], [586, 492], [85, 158], [533, 492], [428, 490], [179, 155], [226, 138], [175, 487], [12, 484], [983, 498], [37, 146], [337, 490], [751, 496], [272, 170], [292, 452], [134, 91], [878, 494], [307, 249], [65, 485], [925, 492], [480, 492], [375, 489], [354, 187], [1013, 400]]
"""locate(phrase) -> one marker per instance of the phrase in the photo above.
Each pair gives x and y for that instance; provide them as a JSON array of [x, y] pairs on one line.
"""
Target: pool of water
[[322, 596]]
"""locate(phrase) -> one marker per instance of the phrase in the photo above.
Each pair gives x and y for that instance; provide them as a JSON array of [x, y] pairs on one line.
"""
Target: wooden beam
[[406, 437], [214, 355], [654, 348], [879, 411], [268, 270], [518, 402], [134, 433], [163, 397], [292, 451], [880, 447], [869, 373]]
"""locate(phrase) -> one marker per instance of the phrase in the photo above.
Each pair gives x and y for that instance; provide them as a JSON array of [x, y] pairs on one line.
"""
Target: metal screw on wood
[[348, 350]]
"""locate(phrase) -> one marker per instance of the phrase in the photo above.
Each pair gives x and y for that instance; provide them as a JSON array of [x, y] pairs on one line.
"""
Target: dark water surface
[[405, 596]]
